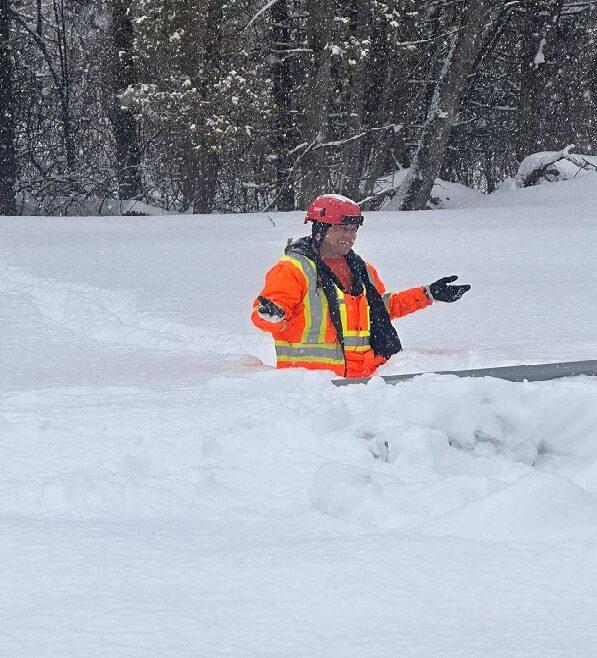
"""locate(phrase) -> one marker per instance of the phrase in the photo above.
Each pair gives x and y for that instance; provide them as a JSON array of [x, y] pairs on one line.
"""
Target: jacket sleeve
[[400, 303], [286, 286]]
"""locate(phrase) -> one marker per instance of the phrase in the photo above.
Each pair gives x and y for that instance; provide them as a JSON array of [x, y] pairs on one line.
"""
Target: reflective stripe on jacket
[[307, 338]]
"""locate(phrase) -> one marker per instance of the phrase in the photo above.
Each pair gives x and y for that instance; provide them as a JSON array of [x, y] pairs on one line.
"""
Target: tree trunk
[[64, 89], [382, 92], [540, 19], [204, 158], [465, 42], [282, 97], [200, 176], [39, 27], [350, 181], [314, 169], [8, 162], [487, 167], [206, 187], [124, 123]]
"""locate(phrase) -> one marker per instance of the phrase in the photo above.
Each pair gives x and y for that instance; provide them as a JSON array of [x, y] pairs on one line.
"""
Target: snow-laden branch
[[263, 9], [535, 166], [379, 196], [396, 127]]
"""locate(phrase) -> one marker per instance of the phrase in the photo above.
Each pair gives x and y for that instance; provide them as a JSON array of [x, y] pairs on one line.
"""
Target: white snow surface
[[165, 492]]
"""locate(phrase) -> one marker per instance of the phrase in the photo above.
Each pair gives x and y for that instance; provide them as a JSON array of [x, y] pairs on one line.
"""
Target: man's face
[[339, 239]]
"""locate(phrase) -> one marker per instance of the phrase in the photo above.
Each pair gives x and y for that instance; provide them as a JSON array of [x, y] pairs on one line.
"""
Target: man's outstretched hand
[[442, 292], [269, 311]]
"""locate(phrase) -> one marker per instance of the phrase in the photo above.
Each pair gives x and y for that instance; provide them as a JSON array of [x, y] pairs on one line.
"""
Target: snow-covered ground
[[165, 491]]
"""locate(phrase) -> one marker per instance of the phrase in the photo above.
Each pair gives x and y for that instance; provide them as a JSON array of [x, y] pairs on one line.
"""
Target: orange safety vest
[[306, 338]]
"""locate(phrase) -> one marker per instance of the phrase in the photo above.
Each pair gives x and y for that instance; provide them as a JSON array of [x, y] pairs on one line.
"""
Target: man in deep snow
[[326, 308]]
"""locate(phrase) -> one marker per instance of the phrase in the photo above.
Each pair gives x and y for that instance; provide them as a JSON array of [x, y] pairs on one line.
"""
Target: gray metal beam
[[533, 373]]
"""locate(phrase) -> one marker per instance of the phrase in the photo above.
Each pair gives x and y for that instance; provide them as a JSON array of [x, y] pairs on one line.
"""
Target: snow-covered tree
[[122, 117], [539, 26], [338, 81], [8, 164], [467, 31], [201, 82], [252, 104]]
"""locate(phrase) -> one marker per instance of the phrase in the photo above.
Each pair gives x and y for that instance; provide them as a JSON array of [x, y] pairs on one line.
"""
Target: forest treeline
[[242, 105]]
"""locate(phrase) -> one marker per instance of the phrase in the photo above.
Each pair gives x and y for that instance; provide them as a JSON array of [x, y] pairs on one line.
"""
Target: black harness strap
[[384, 338]]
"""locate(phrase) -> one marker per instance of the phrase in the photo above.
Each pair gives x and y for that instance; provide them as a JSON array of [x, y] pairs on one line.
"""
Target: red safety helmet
[[334, 209]]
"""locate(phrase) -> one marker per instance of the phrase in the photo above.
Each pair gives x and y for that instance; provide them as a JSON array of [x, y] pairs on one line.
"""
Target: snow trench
[[123, 317], [483, 458]]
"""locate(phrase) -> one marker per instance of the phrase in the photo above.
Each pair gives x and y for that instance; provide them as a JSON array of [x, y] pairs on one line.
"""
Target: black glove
[[269, 311], [442, 292]]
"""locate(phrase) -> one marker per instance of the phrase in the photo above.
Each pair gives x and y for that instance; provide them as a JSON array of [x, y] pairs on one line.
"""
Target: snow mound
[[563, 194], [537, 507], [442, 444], [443, 194], [552, 166]]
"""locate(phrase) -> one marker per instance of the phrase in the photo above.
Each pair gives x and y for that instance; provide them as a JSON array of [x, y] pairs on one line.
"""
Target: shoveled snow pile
[[165, 491]]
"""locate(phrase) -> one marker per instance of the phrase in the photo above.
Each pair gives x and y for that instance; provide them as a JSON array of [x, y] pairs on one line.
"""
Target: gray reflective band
[[356, 341], [315, 302], [315, 351], [386, 296]]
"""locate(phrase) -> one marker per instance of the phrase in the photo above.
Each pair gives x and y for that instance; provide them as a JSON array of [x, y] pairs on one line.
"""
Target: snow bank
[[562, 194], [443, 194], [552, 166]]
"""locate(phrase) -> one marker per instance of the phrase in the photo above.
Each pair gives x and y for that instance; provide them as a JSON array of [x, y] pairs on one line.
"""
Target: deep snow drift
[[164, 491]]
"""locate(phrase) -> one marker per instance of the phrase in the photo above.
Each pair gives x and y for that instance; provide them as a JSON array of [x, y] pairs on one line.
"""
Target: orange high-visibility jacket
[[306, 338]]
